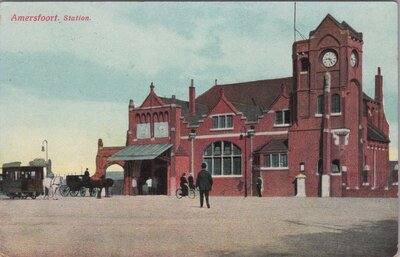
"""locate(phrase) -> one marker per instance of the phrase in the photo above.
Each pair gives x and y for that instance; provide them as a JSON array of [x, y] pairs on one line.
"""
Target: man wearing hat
[[204, 182]]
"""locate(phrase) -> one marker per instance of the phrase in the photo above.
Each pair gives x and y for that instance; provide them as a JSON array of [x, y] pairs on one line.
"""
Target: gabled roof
[[275, 145], [373, 134], [260, 93], [343, 25]]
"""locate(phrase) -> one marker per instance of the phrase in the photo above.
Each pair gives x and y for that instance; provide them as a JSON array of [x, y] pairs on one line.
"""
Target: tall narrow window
[[336, 104], [320, 104], [304, 64]]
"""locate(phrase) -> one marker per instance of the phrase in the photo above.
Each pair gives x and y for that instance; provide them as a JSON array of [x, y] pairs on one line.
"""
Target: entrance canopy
[[140, 152]]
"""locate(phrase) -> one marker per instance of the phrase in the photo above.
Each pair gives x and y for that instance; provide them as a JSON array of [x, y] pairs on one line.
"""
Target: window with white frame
[[336, 103], [320, 104], [223, 159], [276, 160], [282, 117], [222, 121]]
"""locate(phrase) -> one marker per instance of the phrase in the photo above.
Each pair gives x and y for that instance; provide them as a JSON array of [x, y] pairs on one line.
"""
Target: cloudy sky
[[70, 82]]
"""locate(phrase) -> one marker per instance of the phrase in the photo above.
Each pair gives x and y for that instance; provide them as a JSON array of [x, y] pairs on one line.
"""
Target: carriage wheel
[[64, 190], [178, 193], [82, 191], [94, 192], [192, 194], [74, 193]]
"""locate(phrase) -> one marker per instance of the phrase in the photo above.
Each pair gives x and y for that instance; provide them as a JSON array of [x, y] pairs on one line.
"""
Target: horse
[[100, 183], [50, 186]]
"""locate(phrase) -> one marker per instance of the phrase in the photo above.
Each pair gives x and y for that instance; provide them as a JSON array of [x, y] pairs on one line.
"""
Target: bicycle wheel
[[192, 194], [178, 193]]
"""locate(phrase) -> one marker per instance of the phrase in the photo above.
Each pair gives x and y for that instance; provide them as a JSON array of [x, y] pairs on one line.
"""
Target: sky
[[70, 82]]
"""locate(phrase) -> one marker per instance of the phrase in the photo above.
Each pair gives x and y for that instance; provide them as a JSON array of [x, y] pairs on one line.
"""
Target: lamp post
[[47, 149], [47, 154]]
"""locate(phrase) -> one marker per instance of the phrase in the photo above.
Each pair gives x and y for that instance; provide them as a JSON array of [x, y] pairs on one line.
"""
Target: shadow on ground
[[365, 239]]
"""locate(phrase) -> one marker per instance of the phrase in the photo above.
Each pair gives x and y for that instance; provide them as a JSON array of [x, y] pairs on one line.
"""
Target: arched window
[[155, 117], [304, 64], [336, 103], [166, 118], [335, 166], [137, 118], [320, 104], [223, 159]]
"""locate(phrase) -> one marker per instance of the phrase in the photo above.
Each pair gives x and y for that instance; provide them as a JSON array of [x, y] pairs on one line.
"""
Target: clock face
[[353, 59], [329, 59]]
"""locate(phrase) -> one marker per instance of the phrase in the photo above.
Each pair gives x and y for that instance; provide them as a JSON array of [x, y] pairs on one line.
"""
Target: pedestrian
[[149, 185], [259, 185], [184, 185], [134, 186], [204, 182], [86, 177], [191, 181]]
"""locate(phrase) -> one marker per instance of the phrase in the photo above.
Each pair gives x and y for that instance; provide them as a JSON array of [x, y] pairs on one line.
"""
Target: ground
[[167, 226]]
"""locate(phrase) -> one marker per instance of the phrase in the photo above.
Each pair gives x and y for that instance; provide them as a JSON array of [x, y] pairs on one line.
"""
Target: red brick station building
[[317, 126]]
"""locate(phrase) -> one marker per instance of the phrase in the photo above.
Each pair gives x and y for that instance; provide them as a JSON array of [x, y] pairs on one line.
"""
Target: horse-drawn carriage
[[22, 182], [77, 185]]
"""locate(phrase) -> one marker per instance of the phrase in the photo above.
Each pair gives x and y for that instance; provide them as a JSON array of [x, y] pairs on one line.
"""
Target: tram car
[[22, 182]]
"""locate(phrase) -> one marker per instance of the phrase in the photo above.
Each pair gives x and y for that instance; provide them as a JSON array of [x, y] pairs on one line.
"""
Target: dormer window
[[222, 121], [282, 118]]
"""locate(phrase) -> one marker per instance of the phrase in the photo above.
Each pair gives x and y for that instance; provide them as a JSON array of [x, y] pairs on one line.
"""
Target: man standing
[[259, 185], [149, 183], [134, 186], [204, 182]]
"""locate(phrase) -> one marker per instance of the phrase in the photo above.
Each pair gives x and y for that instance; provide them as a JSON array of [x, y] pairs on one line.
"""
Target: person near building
[[259, 185], [191, 181], [184, 184], [134, 186], [204, 181], [149, 183], [155, 185]]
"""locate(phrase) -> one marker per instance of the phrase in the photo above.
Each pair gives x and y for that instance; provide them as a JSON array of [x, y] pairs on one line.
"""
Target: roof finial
[[379, 70], [216, 81], [151, 87], [191, 83]]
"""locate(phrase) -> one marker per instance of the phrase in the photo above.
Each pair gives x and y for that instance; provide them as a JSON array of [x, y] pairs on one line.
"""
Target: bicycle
[[191, 193]]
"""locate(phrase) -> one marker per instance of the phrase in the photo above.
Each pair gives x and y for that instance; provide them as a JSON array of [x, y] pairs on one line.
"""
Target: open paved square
[[167, 226]]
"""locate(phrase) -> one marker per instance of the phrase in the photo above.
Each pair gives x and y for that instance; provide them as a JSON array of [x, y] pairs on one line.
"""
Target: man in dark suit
[[204, 182]]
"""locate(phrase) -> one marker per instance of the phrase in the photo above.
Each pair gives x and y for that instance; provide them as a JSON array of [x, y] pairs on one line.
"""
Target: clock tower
[[327, 105]]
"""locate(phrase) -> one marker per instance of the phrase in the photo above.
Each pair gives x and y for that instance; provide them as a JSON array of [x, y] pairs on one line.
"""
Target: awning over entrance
[[140, 152]]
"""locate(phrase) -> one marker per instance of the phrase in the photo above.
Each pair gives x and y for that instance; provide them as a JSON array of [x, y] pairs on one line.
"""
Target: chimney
[[192, 99], [378, 86]]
